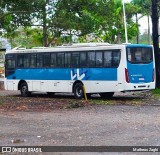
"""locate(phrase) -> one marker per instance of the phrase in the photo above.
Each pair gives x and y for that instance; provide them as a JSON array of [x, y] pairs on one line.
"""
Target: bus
[[2, 59], [100, 68]]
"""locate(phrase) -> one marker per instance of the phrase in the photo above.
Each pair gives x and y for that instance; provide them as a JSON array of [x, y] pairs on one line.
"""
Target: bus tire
[[107, 95], [78, 91], [24, 90]]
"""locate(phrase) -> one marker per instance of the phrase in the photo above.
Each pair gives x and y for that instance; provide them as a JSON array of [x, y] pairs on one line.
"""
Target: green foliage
[[1, 101], [61, 20], [156, 92], [144, 6], [26, 37]]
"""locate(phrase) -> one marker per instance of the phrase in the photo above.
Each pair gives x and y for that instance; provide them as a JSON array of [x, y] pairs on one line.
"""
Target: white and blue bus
[[99, 67]]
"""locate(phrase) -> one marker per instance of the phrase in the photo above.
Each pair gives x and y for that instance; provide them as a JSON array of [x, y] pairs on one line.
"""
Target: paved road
[[116, 125], [98, 125]]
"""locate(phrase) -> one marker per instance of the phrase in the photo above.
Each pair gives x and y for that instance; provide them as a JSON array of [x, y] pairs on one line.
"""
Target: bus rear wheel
[[78, 91], [24, 90], [107, 95]]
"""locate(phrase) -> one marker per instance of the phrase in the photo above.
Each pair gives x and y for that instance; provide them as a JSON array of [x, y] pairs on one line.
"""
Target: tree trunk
[[155, 36]]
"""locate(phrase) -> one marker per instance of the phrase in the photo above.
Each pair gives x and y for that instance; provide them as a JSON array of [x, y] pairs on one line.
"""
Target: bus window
[[26, 61], [99, 59], [53, 60], [83, 59], [75, 59], [67, 59], [108, 59], [116, 58], [60, 59], [91, 59], [39, 60], [139, 55], [46, 60], [10, 64], [33, 63], [20, 62]]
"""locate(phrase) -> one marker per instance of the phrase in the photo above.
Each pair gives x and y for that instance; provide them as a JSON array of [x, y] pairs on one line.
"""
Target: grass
[[1, 102], [156, 92], [101, 102]]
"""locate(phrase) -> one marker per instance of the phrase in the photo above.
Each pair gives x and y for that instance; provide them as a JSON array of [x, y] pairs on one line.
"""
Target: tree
[[114, 26], [143, 8], [16, 13], [155, 21], [76, 17], [104, 18]]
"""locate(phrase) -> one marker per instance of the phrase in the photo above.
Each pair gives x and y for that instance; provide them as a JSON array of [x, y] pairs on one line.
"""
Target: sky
[[144, 24]]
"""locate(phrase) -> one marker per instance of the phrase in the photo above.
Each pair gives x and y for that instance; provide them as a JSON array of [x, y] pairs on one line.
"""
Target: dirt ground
[[128, 119], [41, 102]]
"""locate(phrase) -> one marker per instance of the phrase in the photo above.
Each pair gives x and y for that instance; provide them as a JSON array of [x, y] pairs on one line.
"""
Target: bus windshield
[[139, 54]]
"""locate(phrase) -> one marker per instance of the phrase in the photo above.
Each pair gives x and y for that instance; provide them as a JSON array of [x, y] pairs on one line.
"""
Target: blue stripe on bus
[[109, 74]]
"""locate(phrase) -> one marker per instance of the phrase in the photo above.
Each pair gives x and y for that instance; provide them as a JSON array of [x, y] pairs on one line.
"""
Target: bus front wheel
[[78, 91], [24, 90], [107, 95]]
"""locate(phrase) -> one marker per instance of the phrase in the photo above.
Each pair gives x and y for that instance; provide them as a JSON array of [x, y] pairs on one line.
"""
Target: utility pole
[[45, 24], [137, 28], [125, 25], [155, 36]]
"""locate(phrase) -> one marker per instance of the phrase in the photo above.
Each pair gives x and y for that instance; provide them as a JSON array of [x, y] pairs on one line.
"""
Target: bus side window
[[20, 61], [53, 59], [83, 59], [116, 58], [60, 59], [46, 60], [26, 61], [108, 59], [10, 64], [91, 59], [75, 59], [33, 63], [99, 59], [67, 59], [39, 60]]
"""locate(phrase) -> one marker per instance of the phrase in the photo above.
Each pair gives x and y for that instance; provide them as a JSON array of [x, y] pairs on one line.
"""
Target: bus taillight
[[127, 75]]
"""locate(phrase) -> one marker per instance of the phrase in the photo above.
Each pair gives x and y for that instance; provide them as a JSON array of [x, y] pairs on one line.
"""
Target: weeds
[[101, 102], [1, 101], [156, 92]]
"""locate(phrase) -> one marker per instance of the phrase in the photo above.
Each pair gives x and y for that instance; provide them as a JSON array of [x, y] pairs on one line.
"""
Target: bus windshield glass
[[139, 54]]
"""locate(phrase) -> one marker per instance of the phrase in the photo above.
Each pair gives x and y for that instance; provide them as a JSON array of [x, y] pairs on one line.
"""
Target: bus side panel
[[100, 86], [100, 79], [11, 84]]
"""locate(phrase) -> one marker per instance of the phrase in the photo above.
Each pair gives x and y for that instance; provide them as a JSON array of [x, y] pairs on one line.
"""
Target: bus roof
[[75, 47]]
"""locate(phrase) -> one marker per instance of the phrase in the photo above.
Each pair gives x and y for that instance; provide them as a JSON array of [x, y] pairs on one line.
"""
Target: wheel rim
[[79, 92], [24, 90]]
